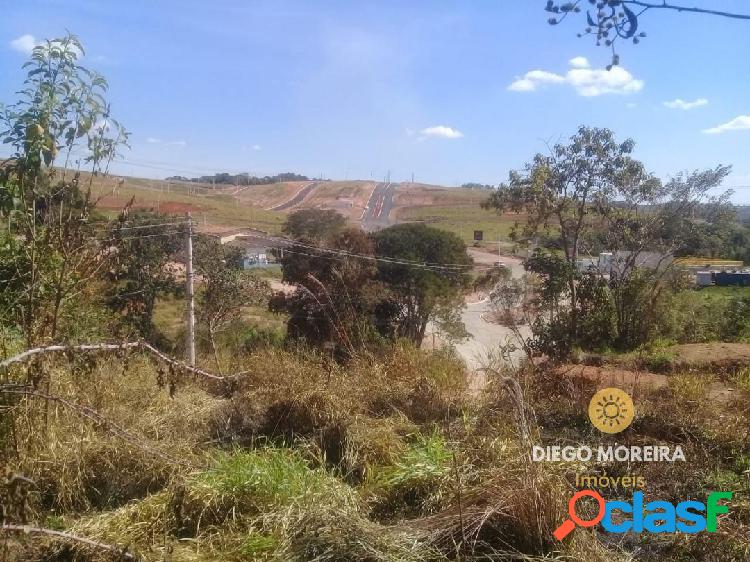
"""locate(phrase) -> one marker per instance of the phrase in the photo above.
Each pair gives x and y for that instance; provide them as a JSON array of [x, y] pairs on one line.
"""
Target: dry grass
[[385, 458]]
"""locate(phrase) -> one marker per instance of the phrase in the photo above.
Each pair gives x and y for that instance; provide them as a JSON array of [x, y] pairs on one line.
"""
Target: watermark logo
[[611, 410], [654, 517]]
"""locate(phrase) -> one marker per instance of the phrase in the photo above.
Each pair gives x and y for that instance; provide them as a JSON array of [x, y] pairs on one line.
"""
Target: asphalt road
[[379, 207], [297, 199]]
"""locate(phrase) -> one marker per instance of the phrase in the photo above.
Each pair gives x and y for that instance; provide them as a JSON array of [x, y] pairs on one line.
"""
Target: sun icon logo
[[611, 410]]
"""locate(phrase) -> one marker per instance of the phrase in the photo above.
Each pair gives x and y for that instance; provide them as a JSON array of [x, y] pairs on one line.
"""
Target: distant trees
[[473, 185], [224, 178]]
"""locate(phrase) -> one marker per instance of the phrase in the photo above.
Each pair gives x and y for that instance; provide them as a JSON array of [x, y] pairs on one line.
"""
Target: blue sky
[[445, 90]]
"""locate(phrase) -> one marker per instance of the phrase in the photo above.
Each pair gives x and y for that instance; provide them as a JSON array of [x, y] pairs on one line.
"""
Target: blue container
[[728, 279]]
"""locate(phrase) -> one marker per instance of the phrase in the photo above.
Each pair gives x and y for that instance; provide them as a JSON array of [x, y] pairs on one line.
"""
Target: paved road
[[487, 337], [297, 199], [379, 207]]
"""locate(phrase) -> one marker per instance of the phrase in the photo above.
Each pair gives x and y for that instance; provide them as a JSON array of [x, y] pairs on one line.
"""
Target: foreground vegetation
[[388, 458]]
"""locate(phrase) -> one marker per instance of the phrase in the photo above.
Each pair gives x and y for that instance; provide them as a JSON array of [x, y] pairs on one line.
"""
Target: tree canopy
[[425, 273], [313, 224]]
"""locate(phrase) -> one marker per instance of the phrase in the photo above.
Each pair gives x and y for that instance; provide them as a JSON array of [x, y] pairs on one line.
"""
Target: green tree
[[54, 248], [425, 272], [594, 196], [567, 189], [336, 291], [314, 225], [139, 273], [226, 289]]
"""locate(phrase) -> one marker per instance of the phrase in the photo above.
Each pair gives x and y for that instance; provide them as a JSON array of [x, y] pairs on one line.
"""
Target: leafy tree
[[425, 273], [226, 289], [610, 21], [336, 291], [54, 248], [139, 272], [567, 188], [313, 225], [596, 197]]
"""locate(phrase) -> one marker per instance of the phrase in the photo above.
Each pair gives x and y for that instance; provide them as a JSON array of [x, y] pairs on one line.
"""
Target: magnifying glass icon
[[569, 524]]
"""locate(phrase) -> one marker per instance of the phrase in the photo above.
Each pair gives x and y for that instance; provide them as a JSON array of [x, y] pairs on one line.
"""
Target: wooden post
[[189, 291]]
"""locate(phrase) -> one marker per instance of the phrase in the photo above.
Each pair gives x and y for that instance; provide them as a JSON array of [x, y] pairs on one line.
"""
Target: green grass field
[[711, 293], [463, 220]]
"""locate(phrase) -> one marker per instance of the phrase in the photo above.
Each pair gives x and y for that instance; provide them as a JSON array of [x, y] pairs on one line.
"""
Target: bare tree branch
[[97, 347], [27, 529], [666, 6]]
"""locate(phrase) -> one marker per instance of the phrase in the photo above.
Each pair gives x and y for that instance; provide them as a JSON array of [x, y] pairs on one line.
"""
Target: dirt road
[[487, 337]]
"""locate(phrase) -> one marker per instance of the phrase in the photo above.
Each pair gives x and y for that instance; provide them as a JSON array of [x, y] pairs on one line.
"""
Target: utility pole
[[189, 291]]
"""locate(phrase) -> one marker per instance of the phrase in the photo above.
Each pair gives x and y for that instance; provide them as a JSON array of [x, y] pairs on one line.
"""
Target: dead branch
[[95, 347], [90, 414], [27, 529]]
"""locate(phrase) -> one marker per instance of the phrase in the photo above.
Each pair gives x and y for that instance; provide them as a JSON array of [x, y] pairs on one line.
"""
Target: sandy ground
[[269, 195], [279, 287], [714, 354], [487, 337]]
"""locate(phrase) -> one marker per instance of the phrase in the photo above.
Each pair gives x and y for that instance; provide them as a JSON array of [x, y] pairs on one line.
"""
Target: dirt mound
[[632, 381], [716, 355], [608, 376]]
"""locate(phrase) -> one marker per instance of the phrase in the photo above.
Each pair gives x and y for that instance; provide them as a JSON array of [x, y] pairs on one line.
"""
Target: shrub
[[415, 483]]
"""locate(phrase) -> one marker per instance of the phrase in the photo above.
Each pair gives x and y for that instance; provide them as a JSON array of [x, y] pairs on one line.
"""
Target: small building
[[257, 247], [622, 262], [704, 278], [255, 257]]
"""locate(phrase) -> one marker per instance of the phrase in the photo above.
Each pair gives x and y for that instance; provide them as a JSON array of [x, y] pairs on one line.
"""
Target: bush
[[416, 482]]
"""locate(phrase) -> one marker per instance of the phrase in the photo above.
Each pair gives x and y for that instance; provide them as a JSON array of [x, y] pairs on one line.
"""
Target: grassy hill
[[224, 207]]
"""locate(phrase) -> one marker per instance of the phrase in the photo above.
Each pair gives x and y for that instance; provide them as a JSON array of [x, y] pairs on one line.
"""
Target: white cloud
[[522, 85], [631, 105], [579, 62], [24, 44], [586, 81], [256, 147], [685, 105], [738, 123], [442, 131], [152, 140]]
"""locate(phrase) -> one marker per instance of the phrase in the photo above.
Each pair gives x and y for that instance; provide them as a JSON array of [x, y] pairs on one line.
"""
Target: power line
[[387, 259]]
